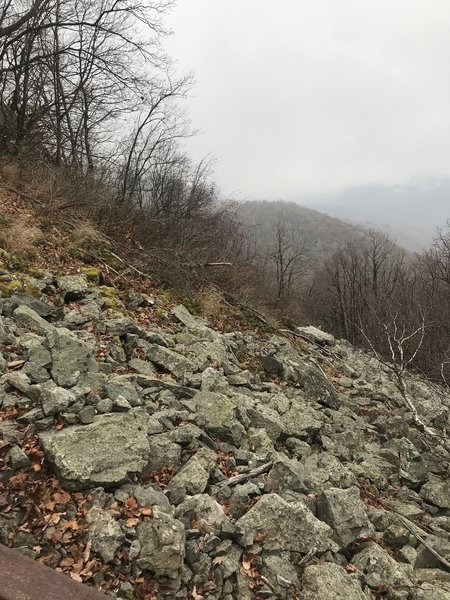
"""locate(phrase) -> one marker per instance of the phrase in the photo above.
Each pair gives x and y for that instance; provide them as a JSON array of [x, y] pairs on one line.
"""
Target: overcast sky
[[302, 96]]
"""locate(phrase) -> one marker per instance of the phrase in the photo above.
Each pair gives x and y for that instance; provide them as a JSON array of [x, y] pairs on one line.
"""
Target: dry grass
[[20, 236]]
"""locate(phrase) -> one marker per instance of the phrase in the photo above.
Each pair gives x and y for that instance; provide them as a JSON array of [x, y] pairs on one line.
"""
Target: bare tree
[[291, 255]]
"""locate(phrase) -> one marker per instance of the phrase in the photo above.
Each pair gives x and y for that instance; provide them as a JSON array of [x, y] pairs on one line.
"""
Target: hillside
[[149, 454], [324, 234]]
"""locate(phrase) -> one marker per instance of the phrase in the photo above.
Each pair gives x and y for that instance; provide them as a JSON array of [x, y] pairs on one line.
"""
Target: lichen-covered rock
[[288, 526], [436, 492], [301, 421], [162, 452], [182, 314], [205, 511], [281, 358], [330, 582], [55, 399], [17, 458], [218, 416], [102, 453], [162, 541], [316, 335], [71, 357], [27, 317], [43, 309], [264, 417], [104, 532], [169, 360], [193, 477], [381, 571], [322, 471], [74, 287], [345, 513]]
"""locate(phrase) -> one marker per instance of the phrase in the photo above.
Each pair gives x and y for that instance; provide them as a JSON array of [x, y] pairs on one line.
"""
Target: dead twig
[[440, 558], [245, 476]]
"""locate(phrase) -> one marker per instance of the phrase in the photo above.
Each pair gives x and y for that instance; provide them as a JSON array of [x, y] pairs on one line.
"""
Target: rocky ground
[[168, 459]]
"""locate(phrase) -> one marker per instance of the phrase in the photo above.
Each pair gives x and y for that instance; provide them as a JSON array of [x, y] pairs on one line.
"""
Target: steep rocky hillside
[[150, 455]]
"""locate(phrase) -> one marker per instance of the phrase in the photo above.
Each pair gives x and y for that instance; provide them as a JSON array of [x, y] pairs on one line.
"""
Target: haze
[[297, 97]]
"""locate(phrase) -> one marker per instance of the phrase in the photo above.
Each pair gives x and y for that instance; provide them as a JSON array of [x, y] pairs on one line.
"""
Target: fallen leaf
[[195, 595], [132, 522], [66, 562], [69, 525]]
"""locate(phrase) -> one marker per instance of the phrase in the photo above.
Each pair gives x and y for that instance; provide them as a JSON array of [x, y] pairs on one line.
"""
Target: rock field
[[182, 462]]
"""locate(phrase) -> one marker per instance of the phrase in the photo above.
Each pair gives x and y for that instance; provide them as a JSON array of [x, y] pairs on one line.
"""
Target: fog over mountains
[[410, 213]]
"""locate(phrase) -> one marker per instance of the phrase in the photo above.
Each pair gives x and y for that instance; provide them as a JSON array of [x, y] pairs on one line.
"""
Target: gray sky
[[300, 96]]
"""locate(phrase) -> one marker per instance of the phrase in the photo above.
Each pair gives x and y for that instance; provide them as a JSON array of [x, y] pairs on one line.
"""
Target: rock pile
[[303, 479]]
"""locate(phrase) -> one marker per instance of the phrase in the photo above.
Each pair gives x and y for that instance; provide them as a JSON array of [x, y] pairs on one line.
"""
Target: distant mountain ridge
[[409, 213], [324, 233]]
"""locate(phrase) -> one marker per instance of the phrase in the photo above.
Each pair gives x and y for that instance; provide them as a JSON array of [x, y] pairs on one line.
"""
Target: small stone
[[17, 458], [121, 404], [86, 415], [104, 405]]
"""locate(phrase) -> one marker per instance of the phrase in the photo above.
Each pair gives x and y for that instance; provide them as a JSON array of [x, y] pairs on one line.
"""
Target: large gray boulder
[[182, 314], [74, 287], [218, 417], [330, 582], [313, 334], [169, 360], [71, 357], [101, 453], [287, 526], [345, 513], [28, 318], [301, 421], [322, 471], [162, 541], [43, 309]]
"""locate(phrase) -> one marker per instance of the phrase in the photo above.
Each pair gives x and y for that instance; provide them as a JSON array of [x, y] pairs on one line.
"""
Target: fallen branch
[[245, 476], [440, 558], [307, 558], [128, 265], [21, 194], [269, 585], [412, 526]]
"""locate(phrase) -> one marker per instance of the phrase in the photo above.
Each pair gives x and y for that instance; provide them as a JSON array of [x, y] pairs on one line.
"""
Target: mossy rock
[[8, 289], [109, 292], [36, 273], [20, 284], [93, 274], [10, 261]]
